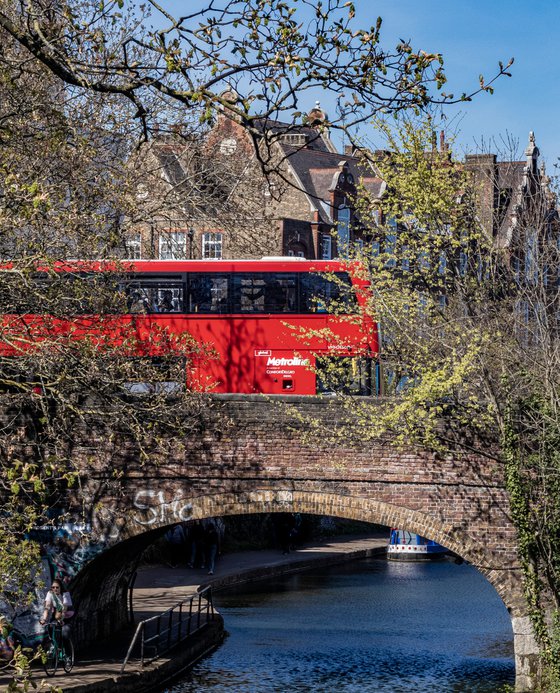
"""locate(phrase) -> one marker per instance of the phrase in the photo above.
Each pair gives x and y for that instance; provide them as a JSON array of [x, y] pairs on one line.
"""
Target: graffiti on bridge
[[154, 510]]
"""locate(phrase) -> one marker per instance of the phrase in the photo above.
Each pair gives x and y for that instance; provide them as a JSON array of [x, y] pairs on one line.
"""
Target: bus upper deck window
[[155, 297], [208, 293], [325, 293], [266, 292]]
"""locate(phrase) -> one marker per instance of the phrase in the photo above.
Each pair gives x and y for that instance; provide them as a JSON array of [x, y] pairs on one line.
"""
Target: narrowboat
[[407, 546]]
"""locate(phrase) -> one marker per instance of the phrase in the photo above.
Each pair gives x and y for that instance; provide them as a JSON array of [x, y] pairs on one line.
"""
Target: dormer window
[[295, 139]]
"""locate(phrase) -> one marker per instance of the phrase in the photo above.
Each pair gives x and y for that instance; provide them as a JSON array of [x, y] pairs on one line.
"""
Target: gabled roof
[[318, 171]]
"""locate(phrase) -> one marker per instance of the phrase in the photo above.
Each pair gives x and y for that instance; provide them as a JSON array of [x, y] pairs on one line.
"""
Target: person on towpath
[[58, 607]]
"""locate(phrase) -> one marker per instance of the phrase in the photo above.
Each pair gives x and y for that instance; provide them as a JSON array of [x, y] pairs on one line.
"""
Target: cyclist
[[58, 608]]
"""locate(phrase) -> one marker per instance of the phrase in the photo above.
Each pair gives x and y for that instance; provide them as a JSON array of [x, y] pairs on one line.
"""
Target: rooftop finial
[[316, 115], [531, 146], [532, 153]]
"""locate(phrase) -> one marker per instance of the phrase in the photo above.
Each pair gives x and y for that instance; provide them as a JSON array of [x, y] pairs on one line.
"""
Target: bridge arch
[[251, 454], [144, 524], [265, 500]]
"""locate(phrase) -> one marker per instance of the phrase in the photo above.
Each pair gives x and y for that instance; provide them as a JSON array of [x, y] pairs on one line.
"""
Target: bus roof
[[272, 264]]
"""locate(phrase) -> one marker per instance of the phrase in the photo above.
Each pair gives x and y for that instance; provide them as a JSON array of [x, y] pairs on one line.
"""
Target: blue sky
[[473, 36]]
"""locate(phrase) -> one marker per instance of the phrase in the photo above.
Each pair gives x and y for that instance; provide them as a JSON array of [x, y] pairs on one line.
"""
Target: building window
[[172, 245], [516, 267], [343, 231], [463, 263], [405, 263], [531, 269], [326, 247], [133, 246], [391, 249], [212, 245]]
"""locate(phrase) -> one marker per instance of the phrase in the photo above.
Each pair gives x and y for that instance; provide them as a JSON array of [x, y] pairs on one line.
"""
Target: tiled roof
[[318, 171]]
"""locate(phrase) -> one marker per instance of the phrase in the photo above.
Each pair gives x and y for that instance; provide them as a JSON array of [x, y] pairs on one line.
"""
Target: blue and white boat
[[407, 546]]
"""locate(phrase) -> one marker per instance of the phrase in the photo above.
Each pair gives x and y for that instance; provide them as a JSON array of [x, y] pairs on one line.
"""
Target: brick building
[[513, 198], [236, 193], [210, 197]]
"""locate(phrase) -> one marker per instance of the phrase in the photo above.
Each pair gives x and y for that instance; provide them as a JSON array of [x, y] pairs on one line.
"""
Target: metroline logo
[[295, 361]]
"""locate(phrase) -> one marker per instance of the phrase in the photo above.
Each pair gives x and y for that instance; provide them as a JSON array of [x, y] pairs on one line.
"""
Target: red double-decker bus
[[269, 324]]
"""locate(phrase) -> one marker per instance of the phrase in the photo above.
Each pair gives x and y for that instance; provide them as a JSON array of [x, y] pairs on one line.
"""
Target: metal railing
[[157, 635], [130, 587]]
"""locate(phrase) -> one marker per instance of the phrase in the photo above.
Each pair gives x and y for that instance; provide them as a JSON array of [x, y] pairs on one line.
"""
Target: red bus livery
[[268, 322]]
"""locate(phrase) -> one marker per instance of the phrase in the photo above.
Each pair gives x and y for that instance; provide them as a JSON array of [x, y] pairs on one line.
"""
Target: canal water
[[369, 625]]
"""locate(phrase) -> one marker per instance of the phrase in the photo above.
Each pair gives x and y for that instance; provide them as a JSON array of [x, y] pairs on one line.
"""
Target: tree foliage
[[79, 83], [66, 374], [269, 52], [470, 337]]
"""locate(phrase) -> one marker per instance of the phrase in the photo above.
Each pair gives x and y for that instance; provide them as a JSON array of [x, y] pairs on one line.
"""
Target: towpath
[[159, 587]]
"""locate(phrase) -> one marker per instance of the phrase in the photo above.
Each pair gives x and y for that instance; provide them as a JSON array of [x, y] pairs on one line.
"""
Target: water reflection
[[365, 626]]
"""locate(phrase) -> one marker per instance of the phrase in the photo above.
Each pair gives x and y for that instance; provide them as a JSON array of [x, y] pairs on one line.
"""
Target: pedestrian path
[[159, 587]]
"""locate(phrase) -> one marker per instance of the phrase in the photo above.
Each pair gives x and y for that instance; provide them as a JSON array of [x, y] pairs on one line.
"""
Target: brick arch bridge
[[248, 457]]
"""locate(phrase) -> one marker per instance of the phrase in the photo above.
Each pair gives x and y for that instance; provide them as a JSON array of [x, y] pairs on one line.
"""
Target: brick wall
[[249, 456]]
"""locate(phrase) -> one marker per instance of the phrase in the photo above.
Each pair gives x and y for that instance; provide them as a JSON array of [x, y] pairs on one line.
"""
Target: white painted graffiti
[[156, 510], [107, 525]]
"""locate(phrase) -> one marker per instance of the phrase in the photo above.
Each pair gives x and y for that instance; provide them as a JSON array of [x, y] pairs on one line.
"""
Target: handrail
[[163, 632], [130, 587]]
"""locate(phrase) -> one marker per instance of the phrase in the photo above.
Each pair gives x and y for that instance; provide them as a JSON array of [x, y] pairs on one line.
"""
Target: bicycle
[[59, 649]]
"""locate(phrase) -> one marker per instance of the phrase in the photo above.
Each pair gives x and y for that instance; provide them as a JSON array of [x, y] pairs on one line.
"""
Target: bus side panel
[[284, 372], [264, 357], [211, 367], [259, 354]]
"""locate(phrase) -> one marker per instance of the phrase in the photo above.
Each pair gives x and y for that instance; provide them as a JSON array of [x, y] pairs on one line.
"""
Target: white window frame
[[212, 245], [172, 245], [133, 246]]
